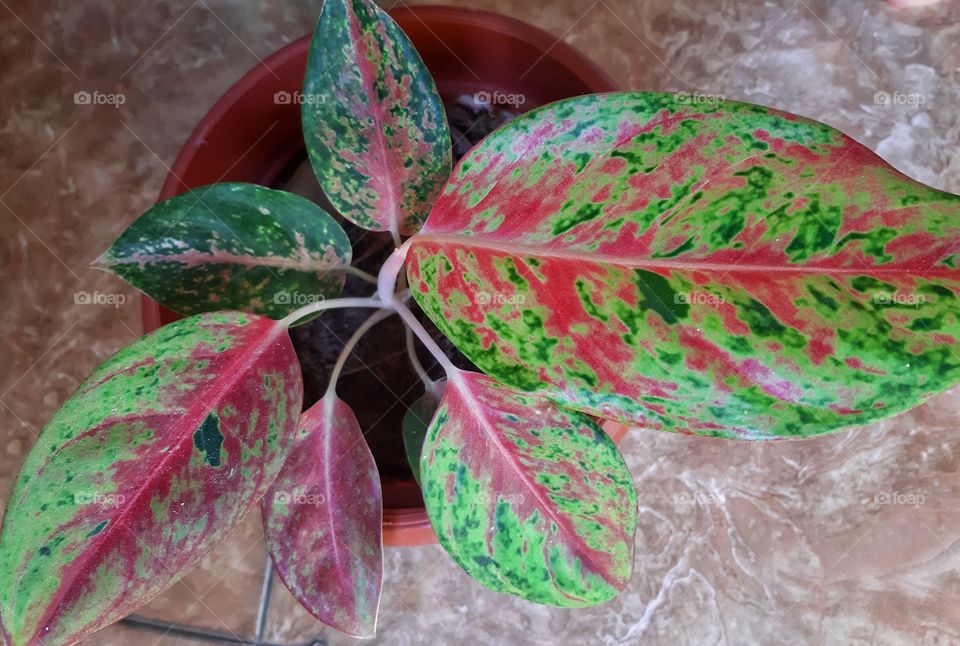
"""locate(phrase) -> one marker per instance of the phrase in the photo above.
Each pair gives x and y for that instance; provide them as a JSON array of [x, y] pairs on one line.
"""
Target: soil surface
[[377, 381], [471, 121]]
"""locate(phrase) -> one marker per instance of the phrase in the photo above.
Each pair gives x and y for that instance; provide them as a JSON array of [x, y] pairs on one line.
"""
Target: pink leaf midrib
[[327, 428], [221, 258], [538, 251], [386, 159]]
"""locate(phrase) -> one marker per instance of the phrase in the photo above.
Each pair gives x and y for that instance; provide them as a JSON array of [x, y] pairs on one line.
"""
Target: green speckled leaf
[[415, 423], [373, 122], [233, 246], [138, 476], [528, 498], [722, 269]]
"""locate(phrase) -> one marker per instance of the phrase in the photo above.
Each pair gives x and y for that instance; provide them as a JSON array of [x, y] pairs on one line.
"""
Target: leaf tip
[[368, 631], [102, 261]]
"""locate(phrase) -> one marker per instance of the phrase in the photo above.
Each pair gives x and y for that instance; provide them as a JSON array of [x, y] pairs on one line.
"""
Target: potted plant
[[702, 267], [487, 68]]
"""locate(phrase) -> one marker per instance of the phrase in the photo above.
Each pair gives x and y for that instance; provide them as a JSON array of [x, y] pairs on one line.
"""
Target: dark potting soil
[[471, 121], [377, 381]]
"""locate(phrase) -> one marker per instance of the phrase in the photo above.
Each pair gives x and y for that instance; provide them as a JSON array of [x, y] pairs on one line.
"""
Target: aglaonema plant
[[717, 269]]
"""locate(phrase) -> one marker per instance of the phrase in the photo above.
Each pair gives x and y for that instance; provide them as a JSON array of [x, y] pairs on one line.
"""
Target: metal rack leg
[[265, 592], [202, 634]]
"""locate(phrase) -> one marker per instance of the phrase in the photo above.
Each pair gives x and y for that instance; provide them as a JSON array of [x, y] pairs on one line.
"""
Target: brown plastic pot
[[252, 135]]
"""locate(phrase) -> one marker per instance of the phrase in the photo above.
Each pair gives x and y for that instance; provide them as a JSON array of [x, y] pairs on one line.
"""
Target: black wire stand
[[173, 628]]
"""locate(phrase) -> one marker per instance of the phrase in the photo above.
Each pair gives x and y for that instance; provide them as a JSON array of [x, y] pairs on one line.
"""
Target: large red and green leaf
[[374, 125], [529, 498], [322, 519], [723, 269], [143, 470], [233, 246]]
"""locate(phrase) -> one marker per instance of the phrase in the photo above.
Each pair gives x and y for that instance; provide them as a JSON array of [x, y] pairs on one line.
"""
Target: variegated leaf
[[415, 423], [530, 499], [322, 520], [233, 246], [374, 125], [138, 476], [716, 268]]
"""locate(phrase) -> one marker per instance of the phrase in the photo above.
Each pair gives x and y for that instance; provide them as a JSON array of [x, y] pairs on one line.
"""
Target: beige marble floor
[[847, 539]]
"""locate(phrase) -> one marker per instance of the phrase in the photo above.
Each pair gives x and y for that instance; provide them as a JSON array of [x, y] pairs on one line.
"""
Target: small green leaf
[[373, 122], [415, 423], [233, 246]]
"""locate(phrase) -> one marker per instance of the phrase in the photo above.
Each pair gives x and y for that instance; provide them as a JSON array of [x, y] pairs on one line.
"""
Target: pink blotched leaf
[[143, 470], [374, 125], [714, 268]]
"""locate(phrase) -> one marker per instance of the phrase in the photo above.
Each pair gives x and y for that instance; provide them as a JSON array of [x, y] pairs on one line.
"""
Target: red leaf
[[322, 520]]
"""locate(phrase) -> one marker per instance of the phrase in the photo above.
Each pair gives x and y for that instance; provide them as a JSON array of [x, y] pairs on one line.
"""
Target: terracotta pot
[[253, 135]]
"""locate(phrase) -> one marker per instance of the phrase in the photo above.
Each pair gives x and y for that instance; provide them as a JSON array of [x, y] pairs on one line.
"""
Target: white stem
[[429, 384], [387, 279], [386, 283], [348, 347], [336, 303], [425, 338], [359, 273]]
